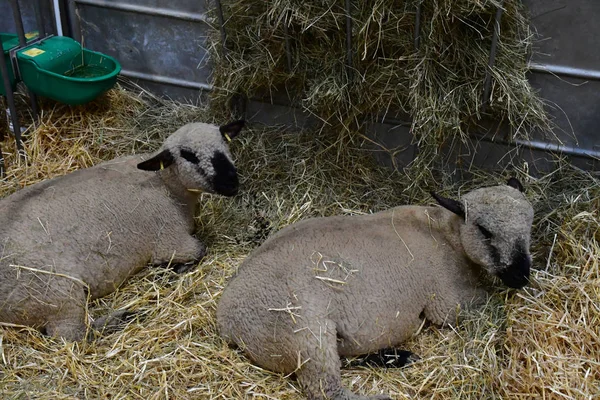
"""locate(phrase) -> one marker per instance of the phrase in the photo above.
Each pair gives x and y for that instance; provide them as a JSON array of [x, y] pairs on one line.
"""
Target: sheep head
[[198, 155], [496, 230]]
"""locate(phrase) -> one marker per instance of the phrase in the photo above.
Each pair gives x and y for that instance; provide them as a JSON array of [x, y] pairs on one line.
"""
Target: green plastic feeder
[[60, 69], [9, 42]]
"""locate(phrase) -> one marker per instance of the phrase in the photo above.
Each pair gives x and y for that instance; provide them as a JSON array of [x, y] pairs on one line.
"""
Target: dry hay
[[440, 85], [541, 342]]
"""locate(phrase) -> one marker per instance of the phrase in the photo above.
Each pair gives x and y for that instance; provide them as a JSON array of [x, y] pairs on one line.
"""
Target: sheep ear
[[453, 205], [160, 161], [232, 129], [514, 182]]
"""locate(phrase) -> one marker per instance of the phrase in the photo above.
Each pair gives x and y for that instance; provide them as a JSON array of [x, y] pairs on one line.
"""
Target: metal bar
[[530, 144], [163, 12], [565, 70], [487, 83], [349, 39], [286, 38], [221, 26], [11, 103], [58, 26], [1, 163], [167, 80], [418, 26], [38, 18], [558, 148], [23, 42]]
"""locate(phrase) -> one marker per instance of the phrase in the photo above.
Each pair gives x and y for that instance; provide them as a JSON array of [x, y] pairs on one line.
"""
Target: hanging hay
[[540, 342], [440, 84]]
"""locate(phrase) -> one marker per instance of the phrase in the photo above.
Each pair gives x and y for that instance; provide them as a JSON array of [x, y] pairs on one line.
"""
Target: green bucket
[[60, 69]]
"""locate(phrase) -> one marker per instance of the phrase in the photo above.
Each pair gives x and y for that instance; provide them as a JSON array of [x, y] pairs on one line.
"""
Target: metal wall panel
[[567, 36], [568, 32], [161, 44]]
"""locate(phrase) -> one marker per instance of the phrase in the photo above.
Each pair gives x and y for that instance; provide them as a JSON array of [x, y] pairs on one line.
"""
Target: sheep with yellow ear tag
[[78, 237]]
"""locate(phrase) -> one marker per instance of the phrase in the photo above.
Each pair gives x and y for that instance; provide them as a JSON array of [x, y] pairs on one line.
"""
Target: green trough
[[60, 69]]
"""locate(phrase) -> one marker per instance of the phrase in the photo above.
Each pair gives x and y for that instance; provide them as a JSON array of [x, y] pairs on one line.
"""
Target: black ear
[[514, 182], [160, 161], [232, 129], [453, 205]]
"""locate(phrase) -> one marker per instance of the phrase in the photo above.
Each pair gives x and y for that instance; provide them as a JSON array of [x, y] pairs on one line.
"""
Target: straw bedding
[[540, 342]]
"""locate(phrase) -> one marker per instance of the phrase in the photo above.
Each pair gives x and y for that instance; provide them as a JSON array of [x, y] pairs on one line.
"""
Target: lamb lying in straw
[[352, 285], [78, 237]]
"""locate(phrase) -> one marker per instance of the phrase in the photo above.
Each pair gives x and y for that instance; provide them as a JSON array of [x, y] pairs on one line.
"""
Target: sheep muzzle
[[516, 275]]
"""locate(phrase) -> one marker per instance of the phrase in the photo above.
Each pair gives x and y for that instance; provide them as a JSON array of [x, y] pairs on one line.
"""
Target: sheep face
[[199, 156], [496, 230]]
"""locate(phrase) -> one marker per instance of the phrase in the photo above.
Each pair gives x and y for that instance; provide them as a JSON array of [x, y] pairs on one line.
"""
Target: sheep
[[351, 285], [78, 237]]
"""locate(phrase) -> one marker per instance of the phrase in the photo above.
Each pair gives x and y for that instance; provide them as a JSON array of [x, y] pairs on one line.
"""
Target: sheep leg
[[181, 256], [386, 358], [69, 321], [110, 323], [320, 374], [443, 308]]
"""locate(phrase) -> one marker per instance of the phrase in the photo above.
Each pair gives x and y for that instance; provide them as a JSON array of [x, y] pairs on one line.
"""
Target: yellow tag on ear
[[227, 137], [162, 166]]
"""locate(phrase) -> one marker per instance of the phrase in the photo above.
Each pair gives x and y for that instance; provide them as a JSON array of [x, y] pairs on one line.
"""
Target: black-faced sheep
[[351, 285], [79, 236]]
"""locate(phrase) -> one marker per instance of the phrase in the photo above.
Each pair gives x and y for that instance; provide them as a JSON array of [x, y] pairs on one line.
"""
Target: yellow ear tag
[[227, 137], [162, 166]]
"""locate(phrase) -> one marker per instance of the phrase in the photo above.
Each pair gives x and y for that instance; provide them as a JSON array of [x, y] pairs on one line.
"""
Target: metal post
[[286, 38], [487, 84], [59, 26], [38, 18], [18, 22], [349, 39], [11, 102], [222, 26], [1, 153], [1, 163], [22, 42], [418, 26]]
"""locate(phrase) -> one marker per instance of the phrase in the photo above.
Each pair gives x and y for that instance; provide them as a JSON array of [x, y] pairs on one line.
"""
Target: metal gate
[[163, 45]]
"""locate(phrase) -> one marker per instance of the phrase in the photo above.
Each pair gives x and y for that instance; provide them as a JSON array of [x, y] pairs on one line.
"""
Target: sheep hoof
[[184, 267], [112, 322], [388, 358]]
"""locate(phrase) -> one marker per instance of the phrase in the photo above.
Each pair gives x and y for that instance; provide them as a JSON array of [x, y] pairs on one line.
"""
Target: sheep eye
[[189, 155], [487, 234]]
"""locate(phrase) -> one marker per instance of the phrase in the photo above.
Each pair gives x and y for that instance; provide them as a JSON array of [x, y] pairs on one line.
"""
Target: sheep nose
[[516, 275], [228, 187]]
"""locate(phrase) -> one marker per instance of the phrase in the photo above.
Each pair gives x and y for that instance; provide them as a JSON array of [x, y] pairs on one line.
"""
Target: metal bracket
[[12, 54]]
